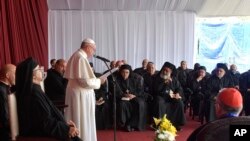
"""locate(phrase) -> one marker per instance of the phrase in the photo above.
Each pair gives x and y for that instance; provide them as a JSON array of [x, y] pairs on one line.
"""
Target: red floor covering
[[148, 135]]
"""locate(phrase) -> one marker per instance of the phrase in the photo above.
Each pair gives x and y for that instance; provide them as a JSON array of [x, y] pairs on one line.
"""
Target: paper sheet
[[105, 75]]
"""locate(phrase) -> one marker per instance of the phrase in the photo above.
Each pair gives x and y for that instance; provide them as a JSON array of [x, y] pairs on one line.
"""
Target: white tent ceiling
[[203, 8]]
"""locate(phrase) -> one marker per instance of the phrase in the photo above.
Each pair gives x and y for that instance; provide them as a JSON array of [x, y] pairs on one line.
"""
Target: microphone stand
[[114, 98]]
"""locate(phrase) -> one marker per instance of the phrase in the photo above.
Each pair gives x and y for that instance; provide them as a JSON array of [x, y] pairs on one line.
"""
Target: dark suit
[[55, 85], [4, 114]]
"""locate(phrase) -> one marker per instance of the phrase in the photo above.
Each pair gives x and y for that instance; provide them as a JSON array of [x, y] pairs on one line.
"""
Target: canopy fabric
[[202, 8], [124, 35]]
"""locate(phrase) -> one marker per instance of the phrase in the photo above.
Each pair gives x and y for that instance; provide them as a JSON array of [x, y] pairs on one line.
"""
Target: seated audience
[[103, 105], [118, 64], [235, 75], [244, 83], [52, 64], [130, 99], [37, 115], [169, 99], [55, 84], [182, 76], [221, 79], [196, 85], [111, 65], [229, 103], [142, 70], [193, 72], [7, 80], [149, 77]]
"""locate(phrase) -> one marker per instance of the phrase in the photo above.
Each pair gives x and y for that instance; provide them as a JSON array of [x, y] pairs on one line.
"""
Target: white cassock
[[80, 96]]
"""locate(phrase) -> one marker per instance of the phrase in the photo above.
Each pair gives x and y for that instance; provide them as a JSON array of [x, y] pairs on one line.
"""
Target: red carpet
[[148, 135]]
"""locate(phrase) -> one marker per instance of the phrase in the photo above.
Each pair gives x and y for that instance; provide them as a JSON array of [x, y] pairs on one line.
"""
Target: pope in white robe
[[80, 96]]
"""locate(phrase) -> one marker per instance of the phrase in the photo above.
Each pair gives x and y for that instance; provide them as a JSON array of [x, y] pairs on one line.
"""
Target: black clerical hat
[[24, 76], [171, 66], [202, 68], [222, 66], [126, 66]]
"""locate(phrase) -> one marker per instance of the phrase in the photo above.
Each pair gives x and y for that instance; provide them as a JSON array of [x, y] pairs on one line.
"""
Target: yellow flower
[[157, 121], [164, 126]]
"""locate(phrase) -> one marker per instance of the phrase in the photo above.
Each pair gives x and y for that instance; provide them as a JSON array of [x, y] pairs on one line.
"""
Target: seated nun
[[130, 99]]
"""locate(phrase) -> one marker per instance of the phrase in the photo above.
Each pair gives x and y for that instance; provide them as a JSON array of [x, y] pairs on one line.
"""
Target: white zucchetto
[[89, 40]]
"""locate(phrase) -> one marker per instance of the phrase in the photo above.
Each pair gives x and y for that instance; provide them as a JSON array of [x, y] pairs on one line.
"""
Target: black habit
[[55, 85], [4, 114], [164, 104], [46, 119], [244, 86], [197, 96], [141, 71], [103, 108], [37, 115], [148, 89], [131, 112], [214, 85]]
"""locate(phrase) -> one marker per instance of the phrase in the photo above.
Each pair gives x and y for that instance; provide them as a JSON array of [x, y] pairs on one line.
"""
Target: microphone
[[101, 58]]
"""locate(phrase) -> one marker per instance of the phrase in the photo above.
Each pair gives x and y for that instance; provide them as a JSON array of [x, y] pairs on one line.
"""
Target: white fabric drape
[[203, 8], [130, 35]]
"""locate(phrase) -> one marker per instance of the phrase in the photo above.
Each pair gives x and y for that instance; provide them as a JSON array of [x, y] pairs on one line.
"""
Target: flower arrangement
[[165, 131]]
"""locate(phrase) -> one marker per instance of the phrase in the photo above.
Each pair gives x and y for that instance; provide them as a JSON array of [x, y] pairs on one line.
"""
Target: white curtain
[[130, 35]]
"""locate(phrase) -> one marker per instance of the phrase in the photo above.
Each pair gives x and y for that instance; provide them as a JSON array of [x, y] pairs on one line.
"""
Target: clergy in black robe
[[52, 64], [170, 97], [221, 79], [111, 78], [197, 84], [37, 115], [130, 98], [103, 111], [149, 77], [235, 75], [193, 72], [7, 79], [55, 84], [4, 116], [182, 75], [245, 90], [103, 105], [142, 70]]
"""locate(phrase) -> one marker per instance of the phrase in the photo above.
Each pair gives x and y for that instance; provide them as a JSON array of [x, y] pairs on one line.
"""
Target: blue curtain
[[224, 43]]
